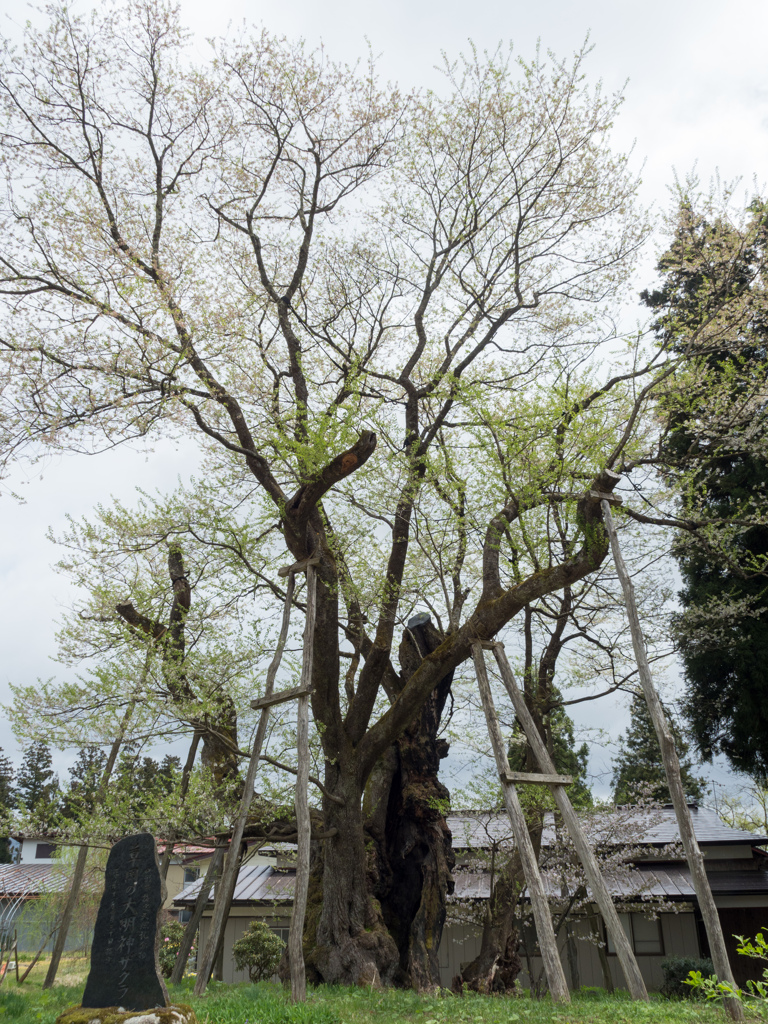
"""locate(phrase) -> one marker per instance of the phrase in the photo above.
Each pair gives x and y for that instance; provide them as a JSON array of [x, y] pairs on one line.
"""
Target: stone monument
[[124, 966]]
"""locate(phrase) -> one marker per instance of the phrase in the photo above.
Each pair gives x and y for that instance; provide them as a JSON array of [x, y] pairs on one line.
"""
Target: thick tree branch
[[487, 619], [308, 495]]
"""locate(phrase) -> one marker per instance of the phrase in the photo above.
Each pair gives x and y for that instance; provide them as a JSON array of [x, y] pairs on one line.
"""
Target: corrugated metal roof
[[256, 883], [35, 879], [264, 884], [478, 830], [667, 881], [707, 826]]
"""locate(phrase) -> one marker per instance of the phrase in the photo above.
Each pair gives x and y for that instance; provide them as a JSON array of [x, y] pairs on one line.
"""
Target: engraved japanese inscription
[[124, 968]]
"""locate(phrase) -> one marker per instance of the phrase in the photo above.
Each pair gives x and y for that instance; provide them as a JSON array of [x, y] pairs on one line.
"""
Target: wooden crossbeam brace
[[535, 778], [299, 566], [612, 499], [280, 698]]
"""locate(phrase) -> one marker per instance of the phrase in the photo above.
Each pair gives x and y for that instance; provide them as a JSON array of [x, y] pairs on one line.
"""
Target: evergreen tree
[[144, 778], [7, 802], [84, 779], [37, 786], [712, 310], [638, 762]]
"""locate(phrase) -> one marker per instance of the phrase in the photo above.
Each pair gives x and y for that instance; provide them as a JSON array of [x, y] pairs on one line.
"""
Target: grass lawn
[[269, 1004]]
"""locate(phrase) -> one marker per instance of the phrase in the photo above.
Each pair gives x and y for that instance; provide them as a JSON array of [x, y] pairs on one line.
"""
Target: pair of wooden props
[[557, 784]]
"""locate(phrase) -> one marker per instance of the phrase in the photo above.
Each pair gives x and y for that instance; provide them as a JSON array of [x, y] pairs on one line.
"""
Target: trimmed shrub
[[259, 951], [677, 968]]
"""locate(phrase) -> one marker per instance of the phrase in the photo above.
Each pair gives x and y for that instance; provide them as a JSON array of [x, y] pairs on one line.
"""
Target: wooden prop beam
[[303, 821], [39, 953], [558, 986], [602, 897], [225, 888], [193, 925], [674, 779]]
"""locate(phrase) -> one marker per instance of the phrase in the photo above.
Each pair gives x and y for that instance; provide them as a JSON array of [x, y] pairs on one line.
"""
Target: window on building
[[44, 851], [643, 932], [190, 875]]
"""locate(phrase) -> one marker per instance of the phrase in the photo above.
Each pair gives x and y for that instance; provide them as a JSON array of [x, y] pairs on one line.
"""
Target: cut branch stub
[[140, 622], [308, 495]]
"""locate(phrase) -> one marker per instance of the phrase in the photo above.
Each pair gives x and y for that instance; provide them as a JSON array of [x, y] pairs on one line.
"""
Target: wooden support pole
[[600, 893], [191, 927], [558, 986], [674, 780], [39, 953], [225, 889], [66, 918], [303, 823], [82, 854], [4, 969]]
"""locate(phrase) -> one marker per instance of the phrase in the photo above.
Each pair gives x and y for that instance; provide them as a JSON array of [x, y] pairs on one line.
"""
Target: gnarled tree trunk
[[498, 964], [352, 944], [406, 805], [378, 897]]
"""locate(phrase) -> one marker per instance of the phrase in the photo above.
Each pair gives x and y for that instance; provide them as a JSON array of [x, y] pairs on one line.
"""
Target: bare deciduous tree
[[376, 308]]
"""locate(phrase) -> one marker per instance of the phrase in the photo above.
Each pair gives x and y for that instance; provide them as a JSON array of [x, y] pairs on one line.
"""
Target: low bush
[[171, 935], [259, 951], [677, 969]]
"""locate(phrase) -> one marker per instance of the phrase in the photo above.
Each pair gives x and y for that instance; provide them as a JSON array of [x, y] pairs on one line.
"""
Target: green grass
[[270, 1004]]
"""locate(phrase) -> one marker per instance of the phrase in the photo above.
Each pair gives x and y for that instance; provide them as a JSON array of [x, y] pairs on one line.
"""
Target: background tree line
[[34, 788]]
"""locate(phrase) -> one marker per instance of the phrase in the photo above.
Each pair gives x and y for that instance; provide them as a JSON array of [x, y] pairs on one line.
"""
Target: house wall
[[29, 849], [461, 943], [742, 915], [734, 851], [175, 878], [277, 918]]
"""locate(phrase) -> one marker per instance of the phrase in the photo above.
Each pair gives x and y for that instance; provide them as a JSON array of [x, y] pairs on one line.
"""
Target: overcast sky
[[696, 95]]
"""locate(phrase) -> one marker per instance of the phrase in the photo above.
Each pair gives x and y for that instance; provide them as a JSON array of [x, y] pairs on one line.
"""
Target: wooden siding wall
[[746, 921], [461, 943], [236, 927]]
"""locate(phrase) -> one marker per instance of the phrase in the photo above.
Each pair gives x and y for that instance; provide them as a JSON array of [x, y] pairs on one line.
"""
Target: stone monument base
[[179, 1013]]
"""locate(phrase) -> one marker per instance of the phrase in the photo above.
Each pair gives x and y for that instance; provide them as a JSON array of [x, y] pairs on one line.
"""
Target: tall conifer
[[713, 448], [638, 768]]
